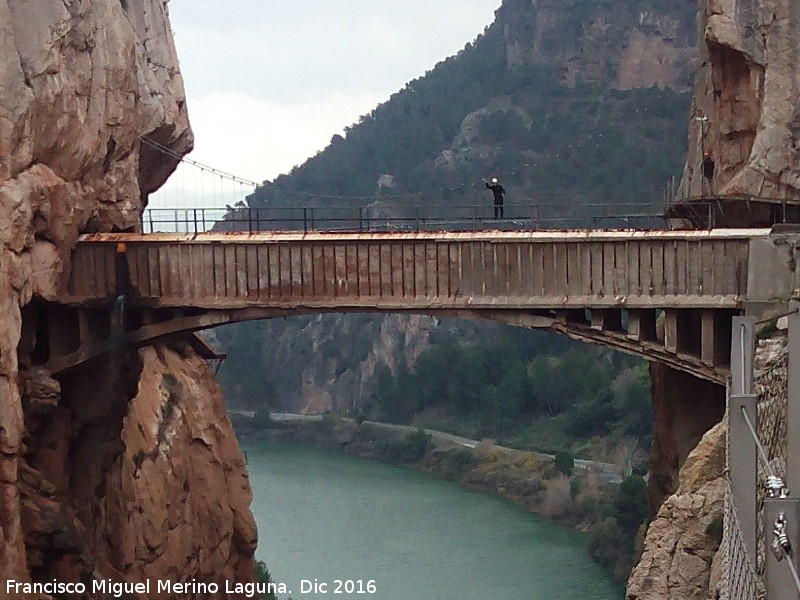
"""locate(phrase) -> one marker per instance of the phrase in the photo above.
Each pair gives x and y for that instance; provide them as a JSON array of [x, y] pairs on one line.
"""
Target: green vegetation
[[262, 576], [612, 542], [408, 448], [511, 386], [565, 463]]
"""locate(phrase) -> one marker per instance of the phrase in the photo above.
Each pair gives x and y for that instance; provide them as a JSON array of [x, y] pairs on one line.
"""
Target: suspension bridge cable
[[169, 152]]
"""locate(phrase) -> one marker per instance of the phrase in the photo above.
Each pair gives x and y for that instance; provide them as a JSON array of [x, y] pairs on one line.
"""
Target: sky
[[269, 82]]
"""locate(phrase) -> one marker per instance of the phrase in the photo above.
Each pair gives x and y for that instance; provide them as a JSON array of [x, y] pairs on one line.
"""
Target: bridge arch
[[667, 296], [641, 334]]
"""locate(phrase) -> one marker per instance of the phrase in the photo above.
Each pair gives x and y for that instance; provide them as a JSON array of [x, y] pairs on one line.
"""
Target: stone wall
[[681, 558]]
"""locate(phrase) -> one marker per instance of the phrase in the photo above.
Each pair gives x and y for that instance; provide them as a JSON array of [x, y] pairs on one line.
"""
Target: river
[[326, 517]]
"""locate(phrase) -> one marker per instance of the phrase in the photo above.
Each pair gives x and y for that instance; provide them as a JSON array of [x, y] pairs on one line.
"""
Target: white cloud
[[256, 140], [269, 83]]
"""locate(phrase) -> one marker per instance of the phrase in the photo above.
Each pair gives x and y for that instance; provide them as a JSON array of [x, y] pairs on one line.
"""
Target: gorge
[[100, 471], [127, 468]]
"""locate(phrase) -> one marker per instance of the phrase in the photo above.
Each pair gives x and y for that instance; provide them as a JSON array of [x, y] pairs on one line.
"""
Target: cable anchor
[[781, 546], [775, 487]]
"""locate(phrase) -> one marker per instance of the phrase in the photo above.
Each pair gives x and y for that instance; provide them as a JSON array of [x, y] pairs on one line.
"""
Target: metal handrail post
[[743, 413], [305, 220]]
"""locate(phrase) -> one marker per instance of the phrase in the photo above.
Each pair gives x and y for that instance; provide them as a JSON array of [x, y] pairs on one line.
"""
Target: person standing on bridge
[[499, 193], [708, 173]]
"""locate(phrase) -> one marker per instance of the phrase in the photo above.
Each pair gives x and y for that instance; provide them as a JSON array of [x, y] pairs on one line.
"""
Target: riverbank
[[332, 516], [582, 496]]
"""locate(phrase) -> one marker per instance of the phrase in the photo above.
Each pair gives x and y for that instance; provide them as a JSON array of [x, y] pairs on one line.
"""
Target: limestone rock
[[180, 485], [680, 558], [679, 548], [83, 81], [744, 109]]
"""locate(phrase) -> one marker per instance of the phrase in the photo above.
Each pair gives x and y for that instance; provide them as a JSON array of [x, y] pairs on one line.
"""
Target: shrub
[[557, 501], [409, 448], [263, 576], [605, 545], [565, 463], [457, 462]]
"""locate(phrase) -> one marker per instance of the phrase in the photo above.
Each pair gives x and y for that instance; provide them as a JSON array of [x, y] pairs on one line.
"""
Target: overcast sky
[[268, 82]]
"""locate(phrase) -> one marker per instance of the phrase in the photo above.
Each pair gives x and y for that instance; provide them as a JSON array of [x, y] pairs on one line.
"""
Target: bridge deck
[[664, 295], [539, 269]]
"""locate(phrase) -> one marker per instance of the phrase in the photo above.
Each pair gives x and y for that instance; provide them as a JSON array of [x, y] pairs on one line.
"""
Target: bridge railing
[[403, 218]]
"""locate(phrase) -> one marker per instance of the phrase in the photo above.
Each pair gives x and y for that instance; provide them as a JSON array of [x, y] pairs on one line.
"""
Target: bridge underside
[[696, 341], [667, 296]]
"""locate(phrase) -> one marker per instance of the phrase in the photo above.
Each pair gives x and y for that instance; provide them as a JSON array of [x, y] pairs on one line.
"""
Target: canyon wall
[[681, 557], [745, 108], [122, 470], [746, 114]]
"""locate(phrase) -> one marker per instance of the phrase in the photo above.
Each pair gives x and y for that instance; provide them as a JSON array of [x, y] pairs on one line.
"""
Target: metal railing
[[402, 218], [706, 212]]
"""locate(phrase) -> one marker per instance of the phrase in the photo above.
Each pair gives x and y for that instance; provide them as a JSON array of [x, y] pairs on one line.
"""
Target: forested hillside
[[564, 101], [568, 102]]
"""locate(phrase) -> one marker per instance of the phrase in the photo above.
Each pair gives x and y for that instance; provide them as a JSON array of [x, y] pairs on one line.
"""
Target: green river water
[[326, 517]]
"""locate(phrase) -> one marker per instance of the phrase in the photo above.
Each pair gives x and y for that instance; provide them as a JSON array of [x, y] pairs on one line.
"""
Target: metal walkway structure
[[664, 295]]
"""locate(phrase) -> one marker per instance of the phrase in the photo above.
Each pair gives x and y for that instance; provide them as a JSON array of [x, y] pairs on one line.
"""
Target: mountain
[[570, 103], [564, 101]]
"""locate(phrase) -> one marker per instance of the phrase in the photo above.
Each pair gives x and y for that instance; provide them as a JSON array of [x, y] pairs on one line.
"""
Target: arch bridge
[[667, 296]]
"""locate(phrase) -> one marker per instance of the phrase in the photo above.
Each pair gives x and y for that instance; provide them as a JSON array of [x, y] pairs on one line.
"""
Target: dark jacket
[[497, 190], [708, 167]]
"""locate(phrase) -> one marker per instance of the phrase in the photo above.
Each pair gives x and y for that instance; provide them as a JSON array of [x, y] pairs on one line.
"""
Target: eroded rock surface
[[745, 107], [87, 486], [681, 542], [681, 557]]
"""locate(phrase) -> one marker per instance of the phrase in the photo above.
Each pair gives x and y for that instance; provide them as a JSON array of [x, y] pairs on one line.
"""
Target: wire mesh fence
[[738, 577]]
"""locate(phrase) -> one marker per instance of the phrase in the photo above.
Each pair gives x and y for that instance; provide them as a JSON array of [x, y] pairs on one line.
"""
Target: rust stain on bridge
[[664, 295], [574, 269]]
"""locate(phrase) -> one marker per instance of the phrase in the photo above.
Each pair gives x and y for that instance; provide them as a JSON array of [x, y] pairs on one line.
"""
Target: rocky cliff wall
[[745, 108], [81, 82], [681, 557], [745, 112], [625, 46]]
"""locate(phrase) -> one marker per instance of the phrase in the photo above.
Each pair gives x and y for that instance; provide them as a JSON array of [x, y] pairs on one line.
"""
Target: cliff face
[[745, 109], [318, 364], [745, 112], [585, 39], [86, 484], [681, 557]]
